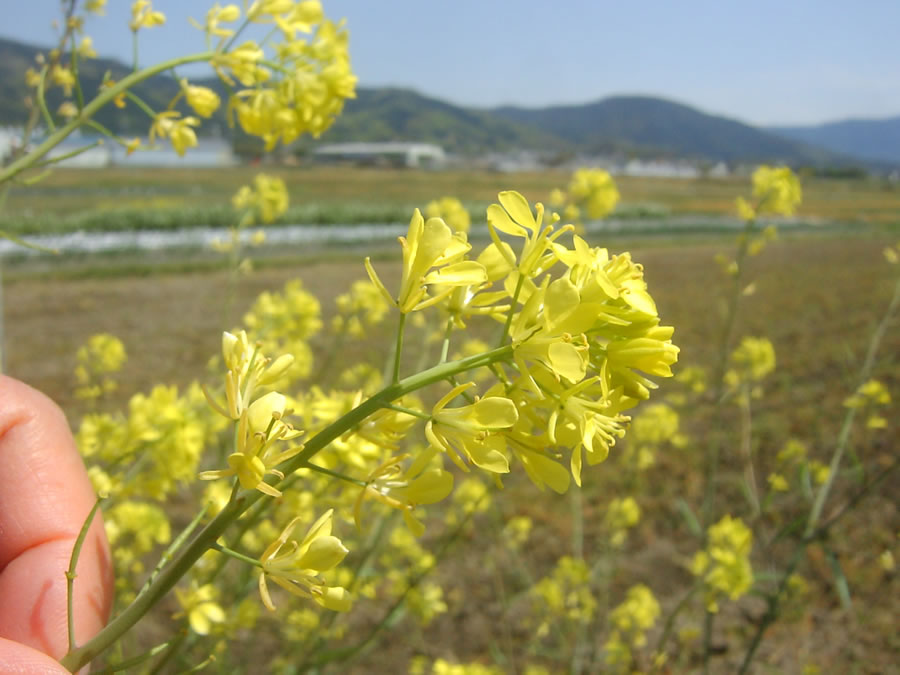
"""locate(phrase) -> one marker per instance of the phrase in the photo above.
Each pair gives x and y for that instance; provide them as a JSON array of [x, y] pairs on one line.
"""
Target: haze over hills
[[877, 140], [666, 127], [640, 126]]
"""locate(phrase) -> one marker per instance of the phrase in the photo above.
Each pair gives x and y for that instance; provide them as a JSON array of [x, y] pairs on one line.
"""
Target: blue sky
[[762, 62]]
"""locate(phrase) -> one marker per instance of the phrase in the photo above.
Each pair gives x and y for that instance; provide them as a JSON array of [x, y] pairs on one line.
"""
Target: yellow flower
[[132, 145], [471, 431], [892, 254], [201, 607], [725, 565], [63, 77], [259, 428], [751, 361], [778, 483], [636, 615], [744, 209], [243, 62], [594, 191], [776, 190], [203, 100], [621, 515], [143, 16], [168, 124], [86, 49], [297, 570], [421, 483], [452, 211], [217, 15], [429, 244], [513, 216], [67, 109], [96, 6]]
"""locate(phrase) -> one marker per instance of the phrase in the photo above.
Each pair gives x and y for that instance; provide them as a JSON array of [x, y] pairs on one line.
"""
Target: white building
[[412, 155]]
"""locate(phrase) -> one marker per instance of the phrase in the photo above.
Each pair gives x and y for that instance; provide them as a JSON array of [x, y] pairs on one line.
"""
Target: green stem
[[348, 653], [207, 537], [134, 661], [670, 620], [79, 96], [140, 103], [236, 555], [846, 427], [408, 411], [577, 503], [68, 155], [813, 531], [333, 474], [71, 574], [42, 102], [512, 309], [445, 347], [104, 97], [171, 652], [398, 349]]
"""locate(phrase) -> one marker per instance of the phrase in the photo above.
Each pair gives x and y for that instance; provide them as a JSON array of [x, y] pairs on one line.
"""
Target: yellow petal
[[466, 273], [567, 361], [543, 470], [323, 554], [500, 219], [560, 300], [518, 208], [431, 487]]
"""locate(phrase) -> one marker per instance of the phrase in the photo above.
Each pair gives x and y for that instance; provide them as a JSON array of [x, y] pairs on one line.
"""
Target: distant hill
[[624, 125], [656, 125], [403, 115], [872, 139], [17, 57]]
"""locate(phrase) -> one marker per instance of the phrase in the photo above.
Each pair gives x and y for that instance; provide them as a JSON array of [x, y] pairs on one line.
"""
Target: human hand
[[45, 497]]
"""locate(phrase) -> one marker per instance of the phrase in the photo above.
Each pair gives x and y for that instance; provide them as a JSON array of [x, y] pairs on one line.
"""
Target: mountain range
[[632, 126]]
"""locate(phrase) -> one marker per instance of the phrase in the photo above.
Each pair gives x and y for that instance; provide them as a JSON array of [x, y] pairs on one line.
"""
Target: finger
[[17, 659], [45, 497]]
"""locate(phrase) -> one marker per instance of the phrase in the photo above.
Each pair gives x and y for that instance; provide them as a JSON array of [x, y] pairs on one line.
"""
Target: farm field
[[816, 298], [138, 198]]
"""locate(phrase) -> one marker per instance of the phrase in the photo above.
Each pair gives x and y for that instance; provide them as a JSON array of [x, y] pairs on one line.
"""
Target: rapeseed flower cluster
[[293, 82], [870, 396], [725, 566], [776, 191], [360, 308], [656, 427], [452, 211], [591, 194], [565, 594], [750, 362], [582, 327], [301, 87], [283, 322], [630, 622], [265, 200], [98, 359], [794, 469], [622, 514]]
